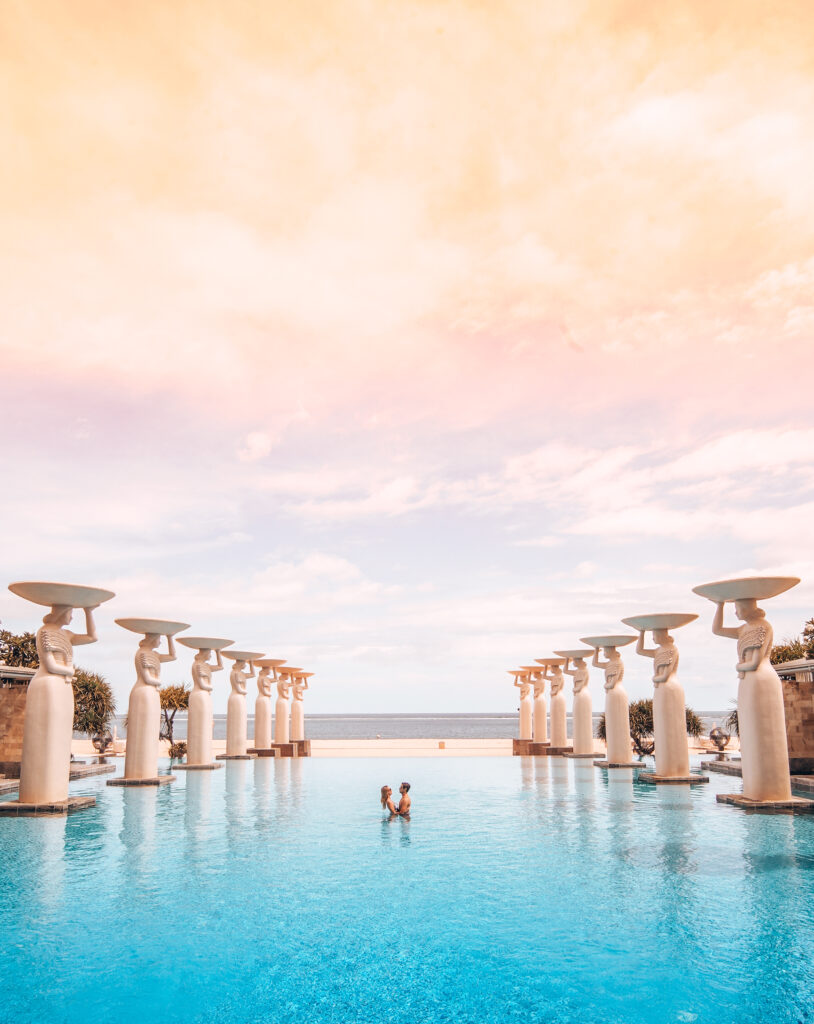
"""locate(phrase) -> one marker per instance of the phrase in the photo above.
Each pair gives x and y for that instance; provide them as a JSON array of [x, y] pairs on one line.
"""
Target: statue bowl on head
[[747, 588], [152, 627], [205, 643], [68, 595], [242, 655], [610, 640], [659, 620]]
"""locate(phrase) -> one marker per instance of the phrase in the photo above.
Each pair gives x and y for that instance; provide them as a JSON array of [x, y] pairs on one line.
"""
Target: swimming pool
[[523, 890]]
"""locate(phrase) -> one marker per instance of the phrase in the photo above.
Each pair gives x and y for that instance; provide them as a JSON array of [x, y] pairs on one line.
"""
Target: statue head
[[662, 636], [747, 610], [203, 654], [60, 615], [150, 641]]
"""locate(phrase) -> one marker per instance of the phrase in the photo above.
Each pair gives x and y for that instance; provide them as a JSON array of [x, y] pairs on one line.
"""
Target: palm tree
[[94, 703], [173, 699], [641, 726]]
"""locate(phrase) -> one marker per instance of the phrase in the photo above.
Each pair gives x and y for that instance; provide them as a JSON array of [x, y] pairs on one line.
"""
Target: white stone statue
[[522, 682], [761, 714], [669, 714], [282, 730], [144, 707], [236, 718], [199, 714], [49, 708], [262, 709], [582, 713], [539, 710], [558, 712], [297, 708], [617, 716]]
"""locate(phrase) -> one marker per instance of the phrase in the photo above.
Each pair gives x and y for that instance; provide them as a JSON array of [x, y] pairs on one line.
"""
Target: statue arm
[[641, 649], [89, 636], [54, 667], [754, 654], [596, 662], [170, 655], [147, 675], [252, 671], [718, 627], [217, 666]]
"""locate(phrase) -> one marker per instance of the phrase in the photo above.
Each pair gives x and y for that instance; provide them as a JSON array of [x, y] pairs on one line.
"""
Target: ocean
[[477, 725]]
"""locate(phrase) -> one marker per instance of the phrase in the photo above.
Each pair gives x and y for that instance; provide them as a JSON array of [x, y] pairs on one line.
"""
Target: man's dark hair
[[406, 786]]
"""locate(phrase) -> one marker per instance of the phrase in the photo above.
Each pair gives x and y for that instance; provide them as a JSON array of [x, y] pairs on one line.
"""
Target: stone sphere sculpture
[[539, 719], [617, 714], [49, 708], [523, 683], [558, 711], [199, 714], [669, 717], [299, 687], [144, 706], [262, 708], [761, 714], [582, 712], [236, 717]]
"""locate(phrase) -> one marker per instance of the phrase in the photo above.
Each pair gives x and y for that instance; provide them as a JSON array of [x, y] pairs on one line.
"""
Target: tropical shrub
[[173, 699], [641, 726], [94, 703], [18, 650]]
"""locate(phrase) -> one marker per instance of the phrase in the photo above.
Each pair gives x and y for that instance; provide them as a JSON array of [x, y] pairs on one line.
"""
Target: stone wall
[[798, 697], [12, 712]]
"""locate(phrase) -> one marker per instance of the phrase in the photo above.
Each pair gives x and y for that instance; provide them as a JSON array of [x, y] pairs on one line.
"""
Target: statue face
[[745, 608]]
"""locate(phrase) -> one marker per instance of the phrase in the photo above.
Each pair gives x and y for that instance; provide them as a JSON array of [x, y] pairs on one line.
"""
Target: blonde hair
[[386, 791]]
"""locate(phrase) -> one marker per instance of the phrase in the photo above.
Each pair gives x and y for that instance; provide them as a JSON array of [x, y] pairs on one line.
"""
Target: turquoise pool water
[[523, 890]]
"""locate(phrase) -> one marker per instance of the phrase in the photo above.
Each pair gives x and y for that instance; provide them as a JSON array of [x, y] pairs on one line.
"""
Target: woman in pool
[[387, 800]]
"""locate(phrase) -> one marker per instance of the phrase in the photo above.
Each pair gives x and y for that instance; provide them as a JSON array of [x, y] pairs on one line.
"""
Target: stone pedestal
[[690, 779], [16, 809], [158, 780]]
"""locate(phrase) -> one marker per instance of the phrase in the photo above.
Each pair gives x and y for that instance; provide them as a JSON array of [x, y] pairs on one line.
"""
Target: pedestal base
[[196, 767], [528, 748], [653, 779], [619, 764], [593, 756], [723, 767], [235, 757], [296, 748], [795, 805], [14, 809], [159, 780], [557, 751]]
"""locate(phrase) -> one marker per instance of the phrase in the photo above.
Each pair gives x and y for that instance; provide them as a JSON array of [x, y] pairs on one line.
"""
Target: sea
[[476, 725]]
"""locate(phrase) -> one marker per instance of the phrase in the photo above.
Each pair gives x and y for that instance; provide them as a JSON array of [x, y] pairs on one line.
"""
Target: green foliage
[[695, 726], [173, 699], [731, 720], [641, 726], [18, 650], [178, 750], [789, 650], [94, 704], [793, 648]]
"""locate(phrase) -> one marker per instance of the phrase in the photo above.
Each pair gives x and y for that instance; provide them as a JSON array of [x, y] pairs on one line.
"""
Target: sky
[[407, 341]]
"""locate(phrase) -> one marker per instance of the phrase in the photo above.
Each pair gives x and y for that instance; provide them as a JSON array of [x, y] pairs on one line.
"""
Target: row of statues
[[49, 712], [761, 714]]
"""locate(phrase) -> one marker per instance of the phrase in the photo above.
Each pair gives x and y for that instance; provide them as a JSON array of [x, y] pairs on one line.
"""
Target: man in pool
[[404, 804]]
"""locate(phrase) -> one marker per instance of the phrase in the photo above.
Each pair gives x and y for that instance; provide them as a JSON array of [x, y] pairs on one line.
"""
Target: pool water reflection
[[533, 890]]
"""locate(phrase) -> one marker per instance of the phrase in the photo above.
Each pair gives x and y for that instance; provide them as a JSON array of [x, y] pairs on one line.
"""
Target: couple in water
[[403, 808]]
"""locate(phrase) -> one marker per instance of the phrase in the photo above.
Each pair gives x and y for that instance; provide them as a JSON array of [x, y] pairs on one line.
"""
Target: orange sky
[[363, 259]]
